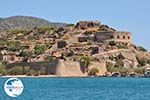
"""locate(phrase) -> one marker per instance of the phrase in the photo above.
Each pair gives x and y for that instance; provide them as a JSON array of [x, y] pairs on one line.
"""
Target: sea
[[87, 88]]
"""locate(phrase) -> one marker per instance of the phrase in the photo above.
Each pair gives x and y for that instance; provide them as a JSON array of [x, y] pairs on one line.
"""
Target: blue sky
[[126, 15]]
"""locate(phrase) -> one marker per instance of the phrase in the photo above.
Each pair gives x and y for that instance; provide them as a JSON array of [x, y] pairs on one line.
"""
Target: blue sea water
[[81, 89]]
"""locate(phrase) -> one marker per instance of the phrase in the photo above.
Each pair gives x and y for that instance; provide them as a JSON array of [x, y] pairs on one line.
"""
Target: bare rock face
[[68, 68], [106, 28], [3, 34], [127, 63], [82, 25], [87, 24], [101, 66]]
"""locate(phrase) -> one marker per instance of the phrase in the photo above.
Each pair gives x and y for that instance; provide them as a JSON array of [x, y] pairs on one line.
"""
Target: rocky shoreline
[[112, 75]]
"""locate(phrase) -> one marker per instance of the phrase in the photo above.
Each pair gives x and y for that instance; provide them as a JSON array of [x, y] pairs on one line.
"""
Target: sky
[[123, 15]]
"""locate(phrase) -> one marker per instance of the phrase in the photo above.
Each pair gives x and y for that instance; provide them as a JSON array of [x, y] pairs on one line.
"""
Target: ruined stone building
[[11, 58], [87, 24], [61, 44], [117, 36], [124, 37], [85, 38]]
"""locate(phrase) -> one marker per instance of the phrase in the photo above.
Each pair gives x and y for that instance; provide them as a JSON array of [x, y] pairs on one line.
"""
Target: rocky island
[[33, 46]]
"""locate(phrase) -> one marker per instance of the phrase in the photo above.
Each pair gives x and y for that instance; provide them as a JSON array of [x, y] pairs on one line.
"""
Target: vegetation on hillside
[[117, 68], [39, 49], [29, 39], [142, 49], [19, 70], [93, 71]]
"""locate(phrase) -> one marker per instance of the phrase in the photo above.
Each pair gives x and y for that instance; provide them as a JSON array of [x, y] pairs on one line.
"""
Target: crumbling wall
[[68, 68], [124, 37], [101, 66], [56, 67], [63, 68], [103, 36], [87, 24], [50, 67]]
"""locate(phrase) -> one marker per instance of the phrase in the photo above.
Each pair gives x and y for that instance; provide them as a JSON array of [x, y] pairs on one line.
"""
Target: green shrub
[[122, 46], [17, 31], [139, 70], [18, 70], [86, 59], [142, 49], [26, 53], [32, 72], [112, 43], [39, 49], [3, 70], [33, 38], [43, 29], [119, 63], [42, 71], [14, 46], [123, 70], [109, 64], [48, 58], [93, 71], [3, 42], [142, 61], [26, 70], [118, 68], [21, 37], [65, 38], [110, 67], [70, 25], [89, 42]]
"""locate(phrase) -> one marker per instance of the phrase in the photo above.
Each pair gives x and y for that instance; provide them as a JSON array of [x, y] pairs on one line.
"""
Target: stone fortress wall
[[117, 36], [124, 37], [73, 68], [61, 67], [105, 33]]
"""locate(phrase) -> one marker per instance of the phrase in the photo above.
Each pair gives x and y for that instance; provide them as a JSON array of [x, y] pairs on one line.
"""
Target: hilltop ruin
[[78, 49]]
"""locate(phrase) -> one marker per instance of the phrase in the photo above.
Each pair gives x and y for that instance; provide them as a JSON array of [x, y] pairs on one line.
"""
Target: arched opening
[[128, 37], [124, 37], [111, 37], [118, 37]]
